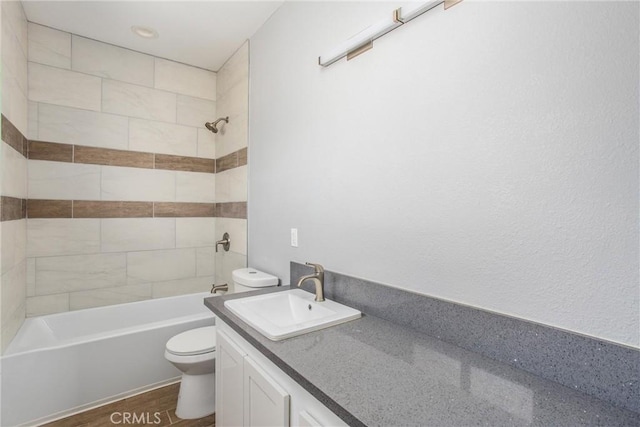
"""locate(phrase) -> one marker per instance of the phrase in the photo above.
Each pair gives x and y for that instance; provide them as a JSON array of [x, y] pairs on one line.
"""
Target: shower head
[[212, 125]]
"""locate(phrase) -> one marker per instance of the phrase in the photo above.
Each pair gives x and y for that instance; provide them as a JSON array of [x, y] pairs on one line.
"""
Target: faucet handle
[[317, 267]]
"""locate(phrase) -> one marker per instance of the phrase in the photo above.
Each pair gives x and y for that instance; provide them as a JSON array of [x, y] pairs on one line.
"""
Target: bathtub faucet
[[216, 288]]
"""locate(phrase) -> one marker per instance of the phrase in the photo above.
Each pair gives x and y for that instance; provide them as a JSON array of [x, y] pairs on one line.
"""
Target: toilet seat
[[193, 342]]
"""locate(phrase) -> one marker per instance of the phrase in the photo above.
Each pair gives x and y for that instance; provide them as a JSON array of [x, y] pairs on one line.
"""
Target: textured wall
[[487, 155]]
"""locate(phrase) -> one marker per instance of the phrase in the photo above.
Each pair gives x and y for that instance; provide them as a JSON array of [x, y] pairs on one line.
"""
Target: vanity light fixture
[[363, 41], [407, 13], [359, 43], [144, 32]]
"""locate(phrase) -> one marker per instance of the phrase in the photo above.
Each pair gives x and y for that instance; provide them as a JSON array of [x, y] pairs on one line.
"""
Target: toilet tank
[[250, 279]]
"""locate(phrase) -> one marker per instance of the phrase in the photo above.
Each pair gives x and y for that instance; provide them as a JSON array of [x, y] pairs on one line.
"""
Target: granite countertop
[[376, 373]]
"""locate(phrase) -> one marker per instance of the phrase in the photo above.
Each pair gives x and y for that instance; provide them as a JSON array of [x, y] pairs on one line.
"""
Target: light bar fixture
[[407, 13], [360, 42], [363, 41]]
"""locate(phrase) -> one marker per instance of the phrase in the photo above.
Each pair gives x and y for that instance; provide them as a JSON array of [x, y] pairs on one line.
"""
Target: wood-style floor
[[153, 408]]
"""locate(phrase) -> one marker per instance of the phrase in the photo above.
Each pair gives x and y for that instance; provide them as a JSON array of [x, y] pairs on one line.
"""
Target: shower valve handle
[[225, 242]]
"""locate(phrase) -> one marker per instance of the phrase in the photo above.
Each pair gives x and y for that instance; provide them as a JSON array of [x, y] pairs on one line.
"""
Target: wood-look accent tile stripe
[[53, 151], [115, 209], [181, 163], [110, 157], [12, 136], [49, 208], [242, 156], [183, 210], [12, 208], [231, 210], [109, 209]]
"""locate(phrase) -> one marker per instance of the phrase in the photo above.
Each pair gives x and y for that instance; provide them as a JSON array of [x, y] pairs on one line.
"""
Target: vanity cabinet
[[252, 391]]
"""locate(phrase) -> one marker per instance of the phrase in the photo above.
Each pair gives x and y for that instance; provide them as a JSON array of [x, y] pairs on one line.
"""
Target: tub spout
[[217, 288]]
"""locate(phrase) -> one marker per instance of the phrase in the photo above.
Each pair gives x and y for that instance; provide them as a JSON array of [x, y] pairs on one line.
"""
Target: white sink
[[290, 313]]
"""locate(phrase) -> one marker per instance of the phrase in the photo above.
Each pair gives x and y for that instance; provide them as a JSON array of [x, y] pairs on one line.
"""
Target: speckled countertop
[[373, 372]]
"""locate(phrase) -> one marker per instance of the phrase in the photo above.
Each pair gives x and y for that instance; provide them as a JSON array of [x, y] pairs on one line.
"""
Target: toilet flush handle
[[225, 242]]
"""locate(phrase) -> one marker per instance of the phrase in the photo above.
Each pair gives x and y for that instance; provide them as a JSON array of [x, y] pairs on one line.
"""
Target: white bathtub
[[63, 363]]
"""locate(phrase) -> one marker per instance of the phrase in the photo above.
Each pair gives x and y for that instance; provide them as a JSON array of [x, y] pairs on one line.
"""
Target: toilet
[[250, 279], [193, 352]]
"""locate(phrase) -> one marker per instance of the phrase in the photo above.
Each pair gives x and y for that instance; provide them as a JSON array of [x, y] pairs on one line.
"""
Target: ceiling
[[200, 33]]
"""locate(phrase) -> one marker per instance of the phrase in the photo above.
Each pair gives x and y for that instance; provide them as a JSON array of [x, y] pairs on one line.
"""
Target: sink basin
[[290, 313]]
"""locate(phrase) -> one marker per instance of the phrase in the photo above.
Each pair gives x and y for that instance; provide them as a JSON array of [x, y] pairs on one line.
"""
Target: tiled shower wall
[[13, 167], [231, 150], [121, 175]]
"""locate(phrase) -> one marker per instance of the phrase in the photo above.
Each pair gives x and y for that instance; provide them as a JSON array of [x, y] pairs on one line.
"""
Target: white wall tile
[[13, 302], [31, 276], [157, 266], [182, 286], [11, 320], [48, 46], [73, 126], [32, 122], [56, 275], [206, 144], [14, 60], [16, 19], [109, 296], [52, 237], [159, 137], [235, 105], [13, 288], [135, 184], [231, 185], [226, 262], [47, 304], [112, 62], [14, 243], [137, 234], [138, 101], [195, 187], [234, 71], [194, 232], [14, 172], [206, 261], [184, 79], [66, 181], [195, 111], [63, 87], [237, 229], [14, 103]]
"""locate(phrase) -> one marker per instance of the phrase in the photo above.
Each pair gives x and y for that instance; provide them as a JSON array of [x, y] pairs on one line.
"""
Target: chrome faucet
[[318, 278]]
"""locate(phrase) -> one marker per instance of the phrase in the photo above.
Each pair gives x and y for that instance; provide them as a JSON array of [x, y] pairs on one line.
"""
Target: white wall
[[487, 154]]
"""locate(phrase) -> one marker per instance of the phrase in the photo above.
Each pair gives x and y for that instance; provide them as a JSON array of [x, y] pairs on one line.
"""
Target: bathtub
[[64, 363]]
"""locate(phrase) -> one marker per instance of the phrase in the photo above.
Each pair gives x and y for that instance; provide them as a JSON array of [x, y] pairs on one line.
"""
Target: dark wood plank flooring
[[155, 408]]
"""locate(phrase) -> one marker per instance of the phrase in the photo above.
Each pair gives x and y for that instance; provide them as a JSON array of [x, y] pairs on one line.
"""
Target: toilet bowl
[[194, 353], [250, 279]]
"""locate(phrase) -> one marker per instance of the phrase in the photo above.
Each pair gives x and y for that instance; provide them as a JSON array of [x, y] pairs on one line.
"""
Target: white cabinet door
[[306, 420], [266, 404], [229, 382]]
